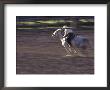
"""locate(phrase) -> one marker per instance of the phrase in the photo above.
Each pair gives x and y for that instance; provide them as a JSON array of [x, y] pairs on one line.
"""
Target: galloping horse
[[77, 42]]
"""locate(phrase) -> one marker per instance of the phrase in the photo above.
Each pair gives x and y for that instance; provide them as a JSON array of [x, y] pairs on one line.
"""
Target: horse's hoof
[[68, 55]]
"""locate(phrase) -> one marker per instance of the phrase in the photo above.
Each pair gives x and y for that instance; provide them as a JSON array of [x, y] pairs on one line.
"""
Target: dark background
[[38, 53]]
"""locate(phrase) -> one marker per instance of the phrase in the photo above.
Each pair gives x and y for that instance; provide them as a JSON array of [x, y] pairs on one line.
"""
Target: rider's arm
[[65, 35], [56, 31]]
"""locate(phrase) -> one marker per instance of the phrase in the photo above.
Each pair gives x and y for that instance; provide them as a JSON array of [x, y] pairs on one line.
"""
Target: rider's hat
[[64, 27]]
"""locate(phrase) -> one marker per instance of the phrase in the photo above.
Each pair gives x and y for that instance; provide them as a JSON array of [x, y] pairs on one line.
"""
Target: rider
[[69, 34]]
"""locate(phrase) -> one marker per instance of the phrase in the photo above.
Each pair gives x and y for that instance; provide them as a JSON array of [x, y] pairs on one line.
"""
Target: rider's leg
[[64, 43]]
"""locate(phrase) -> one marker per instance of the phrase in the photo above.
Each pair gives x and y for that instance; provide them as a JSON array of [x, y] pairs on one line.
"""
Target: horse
[[77, 42]]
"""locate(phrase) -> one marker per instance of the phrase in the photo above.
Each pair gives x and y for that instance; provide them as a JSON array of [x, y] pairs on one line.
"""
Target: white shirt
[[66, 31]]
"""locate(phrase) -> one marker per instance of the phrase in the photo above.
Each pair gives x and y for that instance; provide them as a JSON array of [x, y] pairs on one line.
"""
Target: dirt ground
[[39, 53]]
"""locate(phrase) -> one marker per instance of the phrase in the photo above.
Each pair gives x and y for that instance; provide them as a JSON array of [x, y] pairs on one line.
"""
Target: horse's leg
[[76, 50], [68, 50], [71, 50]]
